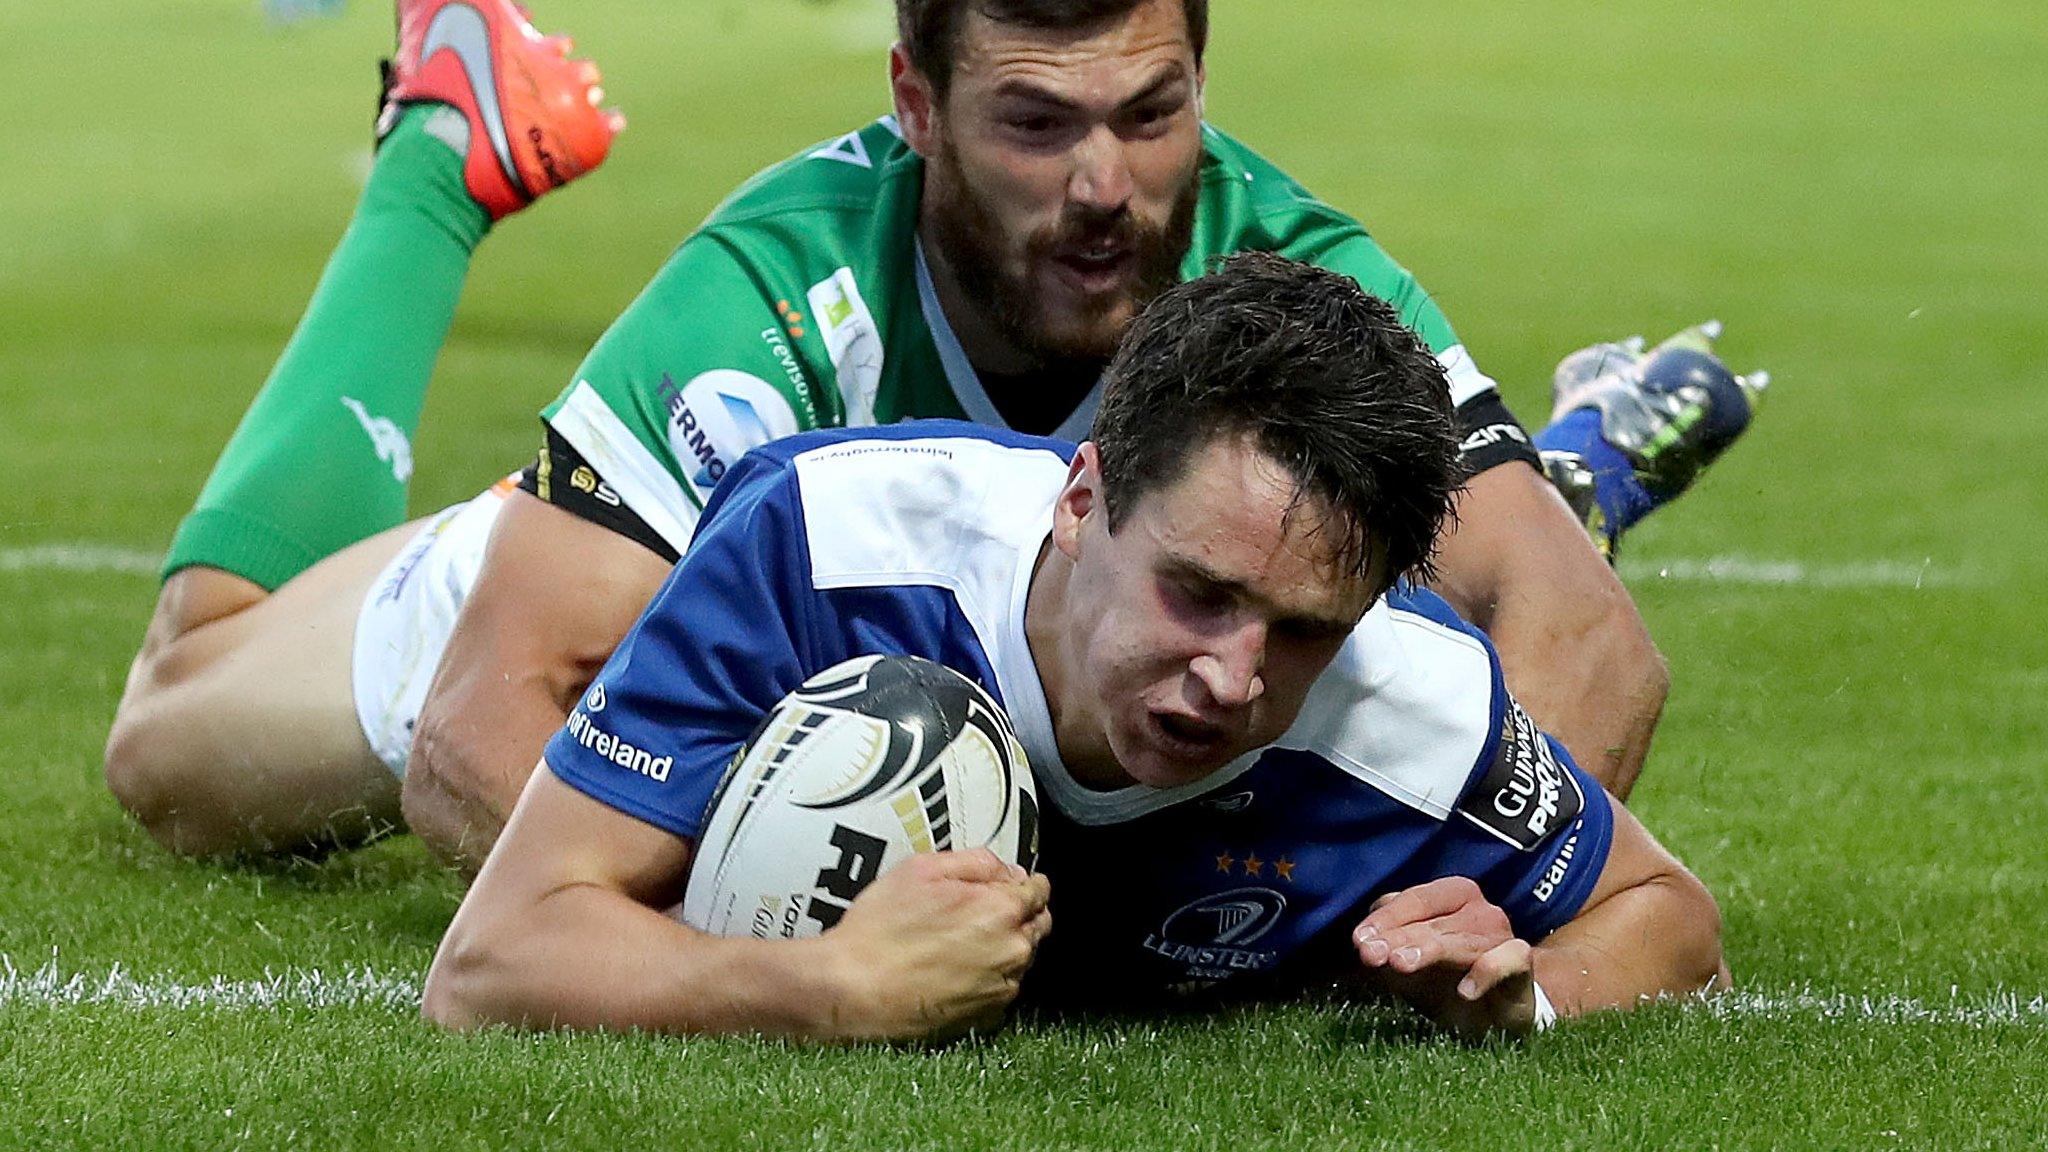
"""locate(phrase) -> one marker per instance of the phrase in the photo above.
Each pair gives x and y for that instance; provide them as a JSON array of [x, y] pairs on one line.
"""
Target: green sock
[[324, 455]]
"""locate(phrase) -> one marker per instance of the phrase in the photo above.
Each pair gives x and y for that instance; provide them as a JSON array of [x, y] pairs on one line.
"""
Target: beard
[[975, 246]]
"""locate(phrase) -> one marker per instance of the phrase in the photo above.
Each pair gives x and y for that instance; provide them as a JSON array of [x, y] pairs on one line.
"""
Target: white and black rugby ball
[[868, 763]]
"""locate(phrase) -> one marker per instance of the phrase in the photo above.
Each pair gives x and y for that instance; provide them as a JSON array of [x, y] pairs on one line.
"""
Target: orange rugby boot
[[534, 112]]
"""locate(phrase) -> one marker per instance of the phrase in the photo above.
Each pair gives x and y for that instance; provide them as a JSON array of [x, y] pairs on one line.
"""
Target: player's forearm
[[1591, 678], [541, 969], [1576, 653], [1660, 937]]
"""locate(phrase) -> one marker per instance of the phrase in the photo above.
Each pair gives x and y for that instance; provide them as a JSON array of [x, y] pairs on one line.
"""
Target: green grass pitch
[[1853, 756]]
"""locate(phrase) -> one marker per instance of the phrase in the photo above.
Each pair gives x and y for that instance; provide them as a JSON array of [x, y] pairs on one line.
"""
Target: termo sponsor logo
[[715, 418]]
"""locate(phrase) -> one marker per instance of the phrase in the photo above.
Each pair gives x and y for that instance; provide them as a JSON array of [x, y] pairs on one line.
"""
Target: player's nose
[[1230, 671], [1102, 171]]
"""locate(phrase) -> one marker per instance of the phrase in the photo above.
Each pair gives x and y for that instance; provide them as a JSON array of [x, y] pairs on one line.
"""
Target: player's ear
[[1201, 87], [1081, 496], [916, 103]]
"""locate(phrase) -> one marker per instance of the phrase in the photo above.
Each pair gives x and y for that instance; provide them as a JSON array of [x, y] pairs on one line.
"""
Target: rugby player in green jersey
[[979, 252]]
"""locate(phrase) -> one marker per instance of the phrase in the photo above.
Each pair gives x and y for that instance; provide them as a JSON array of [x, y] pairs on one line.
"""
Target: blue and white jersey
[[1409, 760]]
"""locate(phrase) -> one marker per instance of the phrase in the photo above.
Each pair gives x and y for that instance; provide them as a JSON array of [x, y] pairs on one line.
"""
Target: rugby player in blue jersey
[[1046, 170], [1202, 627]]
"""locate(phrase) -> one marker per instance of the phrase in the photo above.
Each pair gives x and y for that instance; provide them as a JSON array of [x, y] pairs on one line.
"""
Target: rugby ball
[[868, 763]]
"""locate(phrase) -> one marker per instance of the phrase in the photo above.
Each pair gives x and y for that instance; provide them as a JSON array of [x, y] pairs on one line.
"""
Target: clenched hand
[[938, 945]]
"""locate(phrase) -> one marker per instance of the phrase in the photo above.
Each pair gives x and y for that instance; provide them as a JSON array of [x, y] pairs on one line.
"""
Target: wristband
[[1490, 435], [1546, 1014]]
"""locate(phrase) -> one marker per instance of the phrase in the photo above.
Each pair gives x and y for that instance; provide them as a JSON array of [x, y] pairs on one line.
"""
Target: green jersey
[[805, 302]]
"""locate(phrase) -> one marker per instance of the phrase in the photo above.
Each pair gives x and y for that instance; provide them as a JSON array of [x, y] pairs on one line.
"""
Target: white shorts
[[407, 617]]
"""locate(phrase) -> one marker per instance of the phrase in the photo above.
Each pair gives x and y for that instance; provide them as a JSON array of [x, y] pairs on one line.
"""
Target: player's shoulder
[[1249, 205], [913, 445], [833, 227], [921, 502], [1410, 705], [1254, 203], [832, 179], [914, 469]]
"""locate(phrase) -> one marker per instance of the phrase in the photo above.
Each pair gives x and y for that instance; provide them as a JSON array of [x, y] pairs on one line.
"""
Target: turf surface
[[1853, 753]]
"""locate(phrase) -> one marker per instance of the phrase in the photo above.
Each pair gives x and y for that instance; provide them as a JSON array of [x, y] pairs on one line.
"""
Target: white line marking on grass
[[1887, 1008], [1750, 572], [51, 987], [80, 558]]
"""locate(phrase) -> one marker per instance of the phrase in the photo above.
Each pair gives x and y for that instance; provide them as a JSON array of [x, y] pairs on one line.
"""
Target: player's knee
[[159, 786], [132, 772], [144, 741]]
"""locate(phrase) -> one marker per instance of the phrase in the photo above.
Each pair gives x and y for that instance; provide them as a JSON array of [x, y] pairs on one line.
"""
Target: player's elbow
[[506, 960], [1634, 682], [462, 984], [1696, 960], [449, 995], [1634, 661]]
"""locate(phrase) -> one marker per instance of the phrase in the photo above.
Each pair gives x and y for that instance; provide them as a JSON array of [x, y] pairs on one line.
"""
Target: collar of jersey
[[966, 383]]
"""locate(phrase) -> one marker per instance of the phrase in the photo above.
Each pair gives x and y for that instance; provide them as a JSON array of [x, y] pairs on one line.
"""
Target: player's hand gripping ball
[[865, 765]]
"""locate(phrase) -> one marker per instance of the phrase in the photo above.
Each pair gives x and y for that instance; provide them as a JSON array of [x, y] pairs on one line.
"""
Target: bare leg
[[237, 732]]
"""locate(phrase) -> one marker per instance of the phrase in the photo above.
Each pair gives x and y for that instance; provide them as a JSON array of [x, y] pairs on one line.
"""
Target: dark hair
[[1322, 376], [930, 29]]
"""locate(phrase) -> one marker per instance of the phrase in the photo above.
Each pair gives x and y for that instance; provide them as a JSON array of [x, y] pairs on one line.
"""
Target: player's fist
[[1447, 950], [937, 946]]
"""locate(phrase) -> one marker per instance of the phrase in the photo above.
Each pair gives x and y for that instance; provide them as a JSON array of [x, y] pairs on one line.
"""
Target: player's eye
[[1033, 126], [1197, 597], [1309, 631], [1151, 119]]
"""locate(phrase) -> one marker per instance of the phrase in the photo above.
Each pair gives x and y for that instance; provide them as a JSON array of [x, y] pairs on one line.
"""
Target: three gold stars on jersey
[[1251, 865]]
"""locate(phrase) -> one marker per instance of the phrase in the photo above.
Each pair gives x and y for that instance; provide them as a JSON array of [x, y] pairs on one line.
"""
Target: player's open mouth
[[1186, 738], [1096, 270]]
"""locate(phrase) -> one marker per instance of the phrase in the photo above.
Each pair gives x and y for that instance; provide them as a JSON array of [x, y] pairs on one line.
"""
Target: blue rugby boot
[[1645, 424]]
